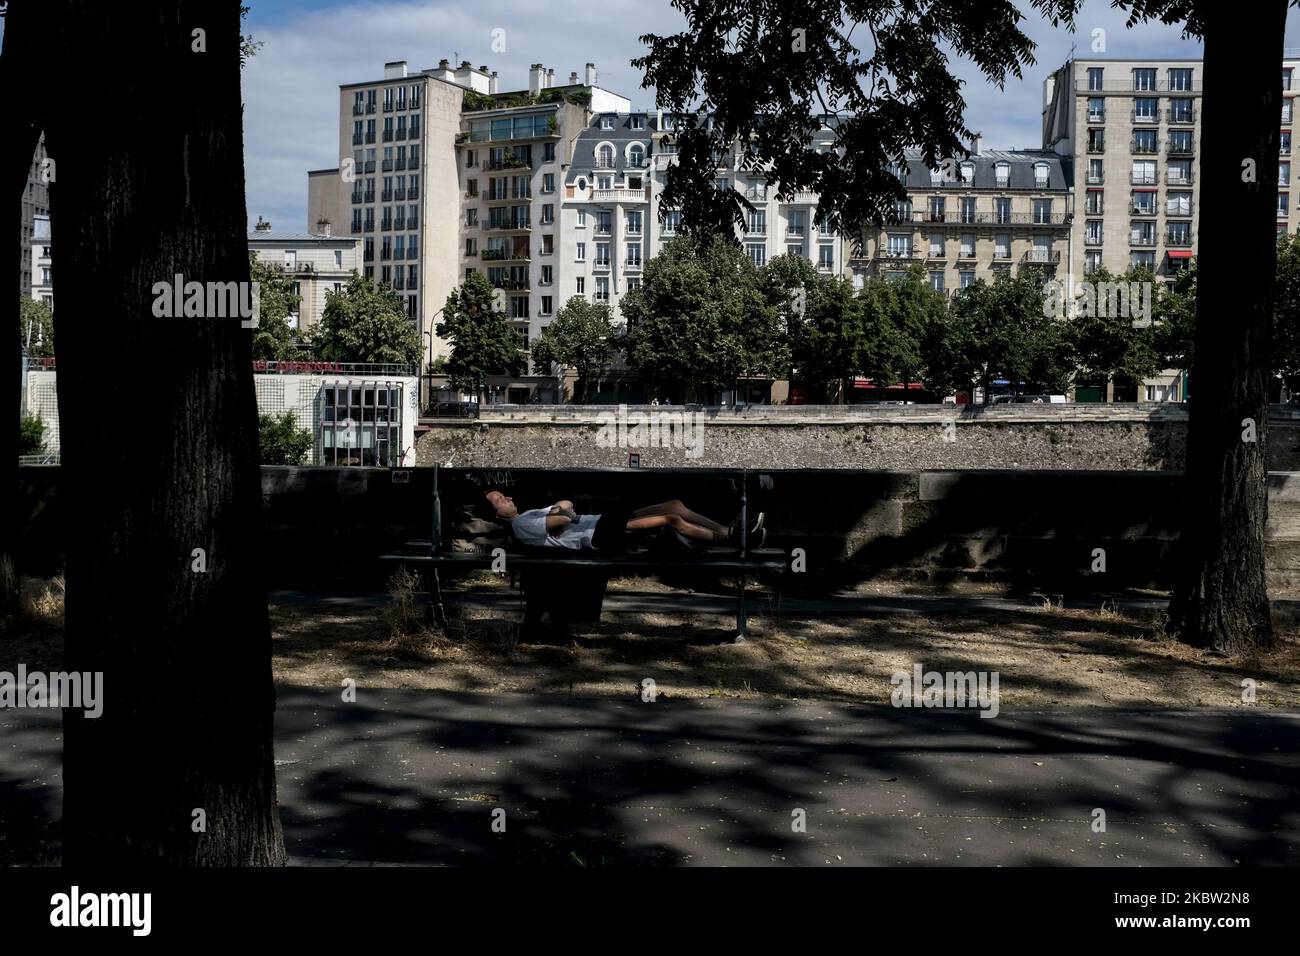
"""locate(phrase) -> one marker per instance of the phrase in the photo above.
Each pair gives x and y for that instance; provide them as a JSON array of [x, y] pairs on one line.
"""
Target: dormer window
[[638, 122], [1040, 175], [1003, 173], [635, 155], [607, 122], [605, 156], [968, 172]]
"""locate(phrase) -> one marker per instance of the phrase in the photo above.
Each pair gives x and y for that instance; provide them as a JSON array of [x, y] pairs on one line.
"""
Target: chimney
[[535, 74], [573, 78], [591, 74], [492, 82], [394, 69], [444, 64], [262, 225], [464, 64], [322, 227], [550, 78], [976, 143]]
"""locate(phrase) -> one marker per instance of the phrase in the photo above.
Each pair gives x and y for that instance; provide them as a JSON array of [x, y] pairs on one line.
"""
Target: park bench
[[569, 585]]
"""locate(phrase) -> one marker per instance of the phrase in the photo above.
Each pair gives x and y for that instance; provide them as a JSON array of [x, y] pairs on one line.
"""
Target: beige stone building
[[317, 263], [990, 212]]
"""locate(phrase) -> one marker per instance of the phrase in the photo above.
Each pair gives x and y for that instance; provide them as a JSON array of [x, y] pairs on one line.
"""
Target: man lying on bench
[[559, 526]]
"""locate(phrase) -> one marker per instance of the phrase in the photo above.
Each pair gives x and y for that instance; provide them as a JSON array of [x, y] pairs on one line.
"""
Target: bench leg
[[742, 622], [435, 612]]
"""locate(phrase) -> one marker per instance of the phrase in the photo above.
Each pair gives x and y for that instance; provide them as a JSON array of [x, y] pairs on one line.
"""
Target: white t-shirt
[[530, 528]]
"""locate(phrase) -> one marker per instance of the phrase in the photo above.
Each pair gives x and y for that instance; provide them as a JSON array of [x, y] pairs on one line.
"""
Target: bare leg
[[678, 524], [675, 507]]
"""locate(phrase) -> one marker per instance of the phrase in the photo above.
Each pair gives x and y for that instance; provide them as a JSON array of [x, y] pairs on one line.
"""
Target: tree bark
[[159, 441], [1221, 599]]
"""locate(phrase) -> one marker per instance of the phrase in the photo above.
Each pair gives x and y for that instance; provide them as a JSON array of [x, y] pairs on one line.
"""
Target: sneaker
[[758, 524]]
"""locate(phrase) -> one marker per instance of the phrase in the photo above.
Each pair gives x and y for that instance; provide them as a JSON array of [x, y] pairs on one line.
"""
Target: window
[[604, 182], [471, 247], [794, 250], [967, 250], [581, 254], [1095, 78], [361, 424], [1092, 232], [936, 245], [1178, 204], [900, 245], [1285, 143], [795, 223], [548, 182], [634, 223], [548, 214], [1142, 260], [826, 257], [633, 255], [936, 281], [756, 222], [1144, 202], [471, 217], [580, 286], [1283, 173], [1144, 172], [1096, 109], [1146, 109], [546, 306], [638, 122], [968, 210], [547, 275], [1286, 111], [548, 152], [1040, 175], [605, 156], [1002, 173], [1042, 211], [672, 221], [602, 289], [633, 283], [636, 155], [338, 258], [1180, 141], [1180, 110], [582, 219], [548, 244], [1180, 172], [603, 220], [1283, 205], [757, 252], [1180, 78], [968, 172], [1142, 233], [1002, 210], [1096, 140], [966, 278], [1144, 141], [602, 254], [1180, 234], [936, 208], [1286, 78], [1144, 79], [1096, 171], [1002, 246], [519, 307], [607, 122]]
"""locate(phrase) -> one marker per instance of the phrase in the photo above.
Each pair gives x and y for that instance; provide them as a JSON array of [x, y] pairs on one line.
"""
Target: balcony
[[415, 131], [1180, 116], [370, 106], [401, 133], [1139, 146], [413, 192], [386, 225], [966, 255], [356, 196], [633, 264], [370, 137], [1096, 146], [1095, 179], [386, 166], [1176, 148], [1142, 179], [600, 265], [370, 196], [512, 285], [1127, 85], [1178, 240], [1178, 178], [1144, 118], [413, 253], [386, 195], [505, 255], [358, 109], [385, 253], [936, 255], [510, 225], [400, 164], [1145, 240], [802, 197], [356, 228], [400, 194], [1175, 208], [1041, 257], [357, 139], [621, 195], [399, 224], [1096, 116], [510, 162], [388, 136], [1138, 209], [1092, 239]]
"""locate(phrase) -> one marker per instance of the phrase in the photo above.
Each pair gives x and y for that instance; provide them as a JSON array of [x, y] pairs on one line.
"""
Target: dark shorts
[[610, 535]]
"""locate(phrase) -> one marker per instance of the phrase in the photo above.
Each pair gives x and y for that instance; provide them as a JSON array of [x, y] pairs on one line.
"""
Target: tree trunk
[[159, 437], [17, 66], [1221, 599]]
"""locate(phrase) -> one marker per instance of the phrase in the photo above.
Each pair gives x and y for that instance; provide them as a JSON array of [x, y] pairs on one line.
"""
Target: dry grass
[[1046, 657]]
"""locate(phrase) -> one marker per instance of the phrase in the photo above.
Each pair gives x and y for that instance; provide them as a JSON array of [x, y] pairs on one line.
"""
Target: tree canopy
[[365, 322]]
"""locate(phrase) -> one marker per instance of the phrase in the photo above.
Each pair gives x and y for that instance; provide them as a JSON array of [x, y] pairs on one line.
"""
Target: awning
[[1179, 254]]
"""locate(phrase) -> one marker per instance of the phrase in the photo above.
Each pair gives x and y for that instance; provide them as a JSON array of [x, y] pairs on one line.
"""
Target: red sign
[[262, 365]]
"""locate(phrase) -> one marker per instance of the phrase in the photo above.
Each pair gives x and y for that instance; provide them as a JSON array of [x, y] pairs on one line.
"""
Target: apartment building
[[317, 263], [991, 212], [36, 202], [611, 215], [512, 162], [439, 164], [42, 260]]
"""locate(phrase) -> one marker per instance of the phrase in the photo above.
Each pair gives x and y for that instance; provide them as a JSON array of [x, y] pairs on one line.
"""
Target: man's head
[[495, 505]]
